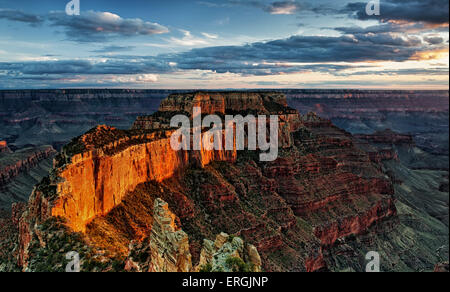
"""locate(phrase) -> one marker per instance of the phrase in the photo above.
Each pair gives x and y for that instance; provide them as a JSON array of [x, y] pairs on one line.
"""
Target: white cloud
[[210, 36], [188, 40], [143, 78], [283, 8], [99, 26]]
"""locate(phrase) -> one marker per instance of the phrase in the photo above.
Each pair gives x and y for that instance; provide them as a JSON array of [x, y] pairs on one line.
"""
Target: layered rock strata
[[11, 165], [226, 103], [387, 137], [322, 188], [169, 245]]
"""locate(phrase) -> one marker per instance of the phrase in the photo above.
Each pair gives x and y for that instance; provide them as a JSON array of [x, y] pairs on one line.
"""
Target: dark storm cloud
[[428, 11], [99, 26], [20, 16]]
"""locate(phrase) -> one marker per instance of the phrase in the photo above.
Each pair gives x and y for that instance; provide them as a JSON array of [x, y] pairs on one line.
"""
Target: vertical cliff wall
[[96, 181]]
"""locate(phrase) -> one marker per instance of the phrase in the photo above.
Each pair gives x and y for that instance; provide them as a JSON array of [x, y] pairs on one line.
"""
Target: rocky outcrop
[[229, 254], [169, 245], [168, 249], [226, 103], [223, 102]]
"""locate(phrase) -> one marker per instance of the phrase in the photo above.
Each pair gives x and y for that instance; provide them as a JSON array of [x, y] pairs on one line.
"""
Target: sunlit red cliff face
[[96, 181], [322, 187]]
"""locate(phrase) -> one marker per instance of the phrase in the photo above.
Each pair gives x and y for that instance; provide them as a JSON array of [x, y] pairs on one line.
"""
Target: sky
[[224, 44]]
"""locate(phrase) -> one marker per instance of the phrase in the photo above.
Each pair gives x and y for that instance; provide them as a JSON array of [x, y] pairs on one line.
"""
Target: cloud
[[135, 79], [438, 71], [287, 7], [188, 40], [388, 39], [47, 67], [20, 16], [114, 49], [388, 27], [83, 80], [431, 54], [304, 49], [210, 36], [117, 66], [90, 26], [283, 8], [296, 54], [93, 26], [427, 11], [434, 40]]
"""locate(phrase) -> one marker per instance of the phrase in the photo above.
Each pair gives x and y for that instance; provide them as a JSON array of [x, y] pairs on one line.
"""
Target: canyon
[[20, 171], [328, 196]]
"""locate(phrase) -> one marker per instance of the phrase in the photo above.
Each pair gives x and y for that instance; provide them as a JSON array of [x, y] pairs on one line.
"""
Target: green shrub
[[206, 268], [237, 265]]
